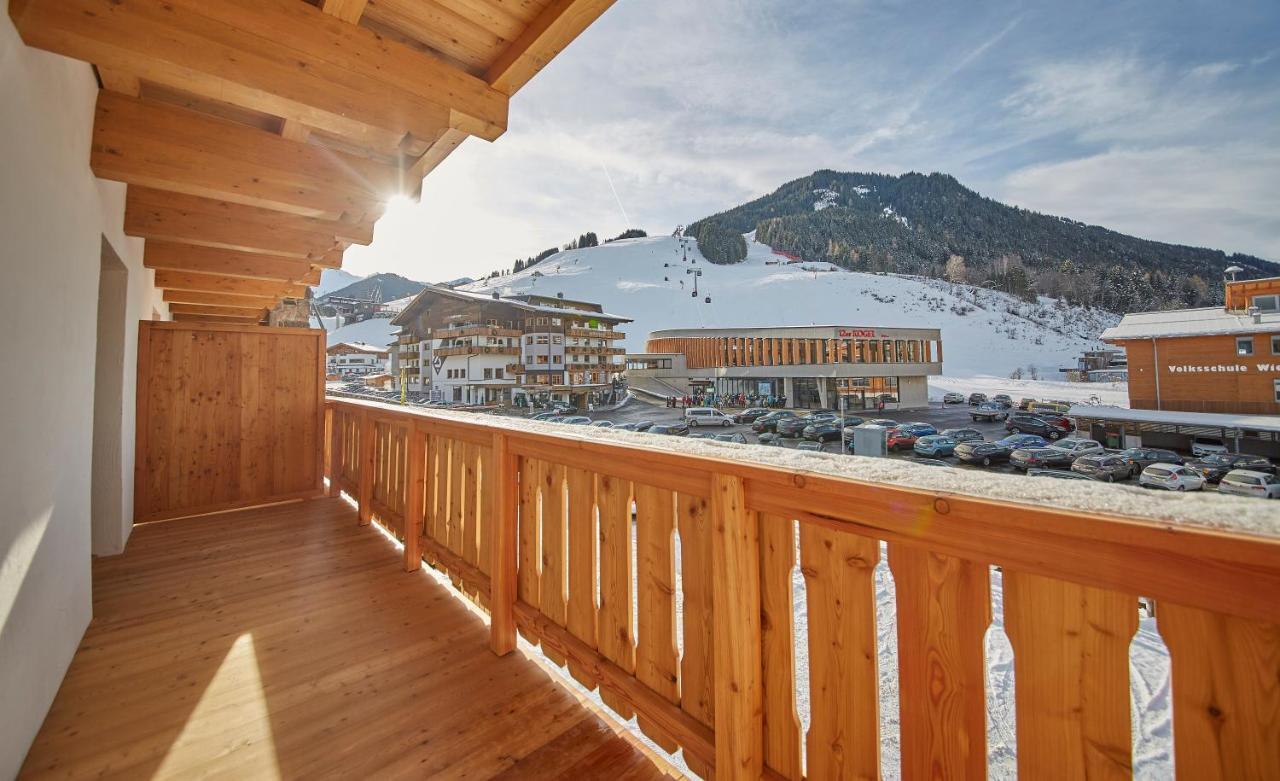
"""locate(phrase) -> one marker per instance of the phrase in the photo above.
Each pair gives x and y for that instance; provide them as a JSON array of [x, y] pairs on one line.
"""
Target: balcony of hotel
[[595, 333], [212, 570], [445, 352]]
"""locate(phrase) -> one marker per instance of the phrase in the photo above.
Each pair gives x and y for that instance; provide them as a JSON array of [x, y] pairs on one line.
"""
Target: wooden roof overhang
[[261, 138]]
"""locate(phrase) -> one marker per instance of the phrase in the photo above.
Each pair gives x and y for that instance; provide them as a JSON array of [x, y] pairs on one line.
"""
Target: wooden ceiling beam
[[232, 286], [210, 260], [217, 299], [187, 219], [283, 57], [256, 313], [143, 142], [545, 37], [348, 11]]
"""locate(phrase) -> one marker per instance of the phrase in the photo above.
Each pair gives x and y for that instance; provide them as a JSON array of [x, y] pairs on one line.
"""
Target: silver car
[[1246, 482]]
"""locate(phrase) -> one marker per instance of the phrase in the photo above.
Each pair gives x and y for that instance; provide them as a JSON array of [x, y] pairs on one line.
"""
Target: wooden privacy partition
[[227, 416], [577, 543]]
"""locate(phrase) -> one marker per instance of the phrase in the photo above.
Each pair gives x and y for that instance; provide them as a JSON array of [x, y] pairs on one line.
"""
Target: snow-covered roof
[[467, 295], [1206, 419], [1210, 321], [359, 347]]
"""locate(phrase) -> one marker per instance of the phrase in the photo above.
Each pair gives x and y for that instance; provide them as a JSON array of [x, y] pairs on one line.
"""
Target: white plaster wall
[[53, 215]]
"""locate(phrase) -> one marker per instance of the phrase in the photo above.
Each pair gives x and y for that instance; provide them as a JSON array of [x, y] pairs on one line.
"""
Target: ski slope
[[984, 332]]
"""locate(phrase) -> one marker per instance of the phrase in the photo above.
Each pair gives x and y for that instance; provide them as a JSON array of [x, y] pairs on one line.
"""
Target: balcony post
[[327, 456], [505, 549], [415, 467], [739, 681], [364, 492]]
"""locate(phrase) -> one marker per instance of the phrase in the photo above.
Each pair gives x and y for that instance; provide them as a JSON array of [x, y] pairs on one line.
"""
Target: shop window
[[1275, 344], [1269, 303], [1244, 345], [1276, 388]]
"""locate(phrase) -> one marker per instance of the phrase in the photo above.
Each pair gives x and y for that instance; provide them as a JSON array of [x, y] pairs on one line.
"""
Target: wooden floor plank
[[288, 642]]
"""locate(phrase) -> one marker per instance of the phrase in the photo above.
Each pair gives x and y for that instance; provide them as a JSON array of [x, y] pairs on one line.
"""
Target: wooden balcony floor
[[288, 642]]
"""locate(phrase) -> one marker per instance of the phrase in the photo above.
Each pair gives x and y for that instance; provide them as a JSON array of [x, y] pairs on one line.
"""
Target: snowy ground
[[377, 331], [984, 332], [1115, 394]]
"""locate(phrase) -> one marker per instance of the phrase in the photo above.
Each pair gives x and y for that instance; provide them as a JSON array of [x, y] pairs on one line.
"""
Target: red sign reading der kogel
[[857, 332]]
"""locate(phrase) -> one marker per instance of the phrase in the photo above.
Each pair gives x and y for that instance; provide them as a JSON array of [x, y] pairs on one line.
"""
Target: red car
[[901, 439]]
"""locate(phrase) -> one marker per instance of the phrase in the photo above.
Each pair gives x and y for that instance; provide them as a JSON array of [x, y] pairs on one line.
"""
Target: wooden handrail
[[531, 523]]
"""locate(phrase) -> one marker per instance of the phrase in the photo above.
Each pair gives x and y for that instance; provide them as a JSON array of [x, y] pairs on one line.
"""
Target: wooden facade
[[706, 352], [511, 516], [228, 416], [1205, 374]]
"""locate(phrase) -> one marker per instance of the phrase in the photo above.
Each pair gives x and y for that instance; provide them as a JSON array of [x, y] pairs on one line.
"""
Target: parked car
[[735, 437], [1025, 403], [989, 411], [1060, 474], [984, 453], [706, 416], [935, 445], [602, 424], [1203, 446], [769, 439], [953, 398], [544, 416], [791, 427], [769, 422], [1171, 477], [1249, 482], [1029, 458], [1003, 399], [849, 421], [963, 434], [1140, 458], [1107, 468], [1079, 447], [677, 429], [823, 431], [882, 422], [575, 420], [626, 427], [1050, 408], [809, 447], [1212, 467], [751, 415], [900, 439], [643, 425], [976, 398], [919, 429], [561, 408], [1018, 441], [1021, 422]]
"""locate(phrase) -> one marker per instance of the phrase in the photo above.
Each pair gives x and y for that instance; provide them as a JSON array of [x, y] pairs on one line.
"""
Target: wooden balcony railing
[[476, 350], [596, 333], [534, 525]]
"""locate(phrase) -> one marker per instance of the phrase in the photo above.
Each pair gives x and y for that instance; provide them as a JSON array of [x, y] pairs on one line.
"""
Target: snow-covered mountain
[[646, 279], [332, 279]]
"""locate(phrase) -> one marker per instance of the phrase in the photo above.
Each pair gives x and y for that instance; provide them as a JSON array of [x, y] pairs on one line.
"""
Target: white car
[[1201, 447], [1171, 477], [953, 398], [1246, 482], [706, 416], [1080, 447]]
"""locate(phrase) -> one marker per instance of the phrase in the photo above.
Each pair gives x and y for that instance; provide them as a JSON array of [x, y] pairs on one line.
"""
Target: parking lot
[[938, 415]]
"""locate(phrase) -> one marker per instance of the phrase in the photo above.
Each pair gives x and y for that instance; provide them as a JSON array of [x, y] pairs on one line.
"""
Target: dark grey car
[[1108, 468]]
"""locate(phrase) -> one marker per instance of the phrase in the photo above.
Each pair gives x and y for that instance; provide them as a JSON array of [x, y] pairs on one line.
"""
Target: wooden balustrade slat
[[364, 494], [554, 550], [581, 608], [844, 731], [486, 526], [1071, 666], [739, 686], [697, 682], [437, 489], [502, 471], [657, 659], [1226, 693], [470, 501], [943, 611], [457, 497], [616, 630], [528, 577], [329, 415], [777, 643], [415, 495]]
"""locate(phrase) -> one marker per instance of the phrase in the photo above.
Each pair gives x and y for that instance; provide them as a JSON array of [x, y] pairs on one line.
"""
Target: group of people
[[701, 399]]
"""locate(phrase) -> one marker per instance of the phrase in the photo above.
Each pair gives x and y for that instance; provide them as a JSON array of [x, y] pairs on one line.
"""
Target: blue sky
[[1159, 118]]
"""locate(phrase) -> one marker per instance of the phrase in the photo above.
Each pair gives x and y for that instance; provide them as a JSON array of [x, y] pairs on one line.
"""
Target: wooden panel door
[[227, 416]]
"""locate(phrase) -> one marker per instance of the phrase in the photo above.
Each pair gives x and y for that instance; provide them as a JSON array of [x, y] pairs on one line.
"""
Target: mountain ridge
[[932, 225]]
